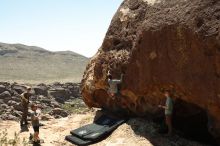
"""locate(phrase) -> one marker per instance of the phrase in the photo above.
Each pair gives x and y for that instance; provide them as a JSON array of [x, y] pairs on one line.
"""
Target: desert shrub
[[74, 107], [15, 141]]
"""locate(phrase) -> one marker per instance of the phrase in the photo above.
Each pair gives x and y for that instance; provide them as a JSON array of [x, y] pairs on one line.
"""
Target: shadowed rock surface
[[162, 44]]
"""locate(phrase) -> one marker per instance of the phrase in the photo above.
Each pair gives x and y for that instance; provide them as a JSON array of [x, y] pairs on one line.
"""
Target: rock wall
[[160, 44]]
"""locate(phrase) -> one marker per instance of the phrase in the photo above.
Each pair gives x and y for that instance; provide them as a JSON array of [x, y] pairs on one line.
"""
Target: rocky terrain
[[162, 45], [135, 132], [30, 64], [54, 100]]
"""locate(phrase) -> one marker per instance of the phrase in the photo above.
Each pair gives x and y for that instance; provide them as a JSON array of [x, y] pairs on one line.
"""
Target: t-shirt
[[35, 122], [169, 105], [113, 88]]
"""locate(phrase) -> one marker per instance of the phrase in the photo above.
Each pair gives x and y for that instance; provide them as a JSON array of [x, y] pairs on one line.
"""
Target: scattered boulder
[[57, 116], [56, 85], [2, 101], [46, 101], [17, 113], [74, 89], [9, 117], [58, 112], [18, 106], [60, 94], [19, 88], [16, 99], [11, 103], [4, 106], [6, 84], [5, 100], [46, 117], [5, 94], [55, 104], [40, 90], [2, 89]]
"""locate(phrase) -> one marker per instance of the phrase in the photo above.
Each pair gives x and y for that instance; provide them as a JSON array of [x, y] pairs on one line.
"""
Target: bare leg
[[36, 136]]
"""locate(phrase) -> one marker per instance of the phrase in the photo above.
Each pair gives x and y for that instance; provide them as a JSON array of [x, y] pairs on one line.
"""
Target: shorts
[[36, 128]]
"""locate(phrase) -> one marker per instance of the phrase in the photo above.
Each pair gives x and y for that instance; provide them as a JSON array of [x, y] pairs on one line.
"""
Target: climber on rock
[[168, 111], [113, 86]]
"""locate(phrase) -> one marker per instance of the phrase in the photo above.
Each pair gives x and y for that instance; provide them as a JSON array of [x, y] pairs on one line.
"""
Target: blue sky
[[57, 25]]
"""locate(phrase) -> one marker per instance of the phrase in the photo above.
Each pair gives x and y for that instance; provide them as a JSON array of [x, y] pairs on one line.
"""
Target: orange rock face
[[160, 45]]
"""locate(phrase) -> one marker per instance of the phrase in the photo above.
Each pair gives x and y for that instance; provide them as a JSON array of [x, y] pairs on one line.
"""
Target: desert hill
[[32, 64]]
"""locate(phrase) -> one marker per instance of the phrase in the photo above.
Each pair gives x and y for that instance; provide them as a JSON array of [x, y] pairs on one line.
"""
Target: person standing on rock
[[168, 111], [25, 102], [113, 86]]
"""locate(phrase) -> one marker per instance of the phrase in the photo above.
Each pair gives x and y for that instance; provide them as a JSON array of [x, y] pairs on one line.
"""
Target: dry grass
[[15, 141]]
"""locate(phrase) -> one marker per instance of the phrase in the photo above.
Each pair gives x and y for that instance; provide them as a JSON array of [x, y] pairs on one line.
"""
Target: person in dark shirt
[[24, 103]]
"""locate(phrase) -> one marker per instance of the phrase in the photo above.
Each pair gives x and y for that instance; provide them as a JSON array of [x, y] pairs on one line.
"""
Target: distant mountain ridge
[[22, 63], [13, 48]]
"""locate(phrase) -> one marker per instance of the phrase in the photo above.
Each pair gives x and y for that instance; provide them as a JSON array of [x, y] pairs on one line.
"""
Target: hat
[[28, 88]]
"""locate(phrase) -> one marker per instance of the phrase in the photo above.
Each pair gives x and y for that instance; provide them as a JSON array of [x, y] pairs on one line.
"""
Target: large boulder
[[167, 44]]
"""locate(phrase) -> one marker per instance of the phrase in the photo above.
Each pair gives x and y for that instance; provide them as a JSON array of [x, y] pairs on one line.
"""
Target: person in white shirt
[[168, 111], [113, 86]]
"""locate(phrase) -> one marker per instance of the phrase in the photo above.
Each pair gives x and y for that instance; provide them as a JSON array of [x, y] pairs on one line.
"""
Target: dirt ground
[[135, 132], [55, 130]]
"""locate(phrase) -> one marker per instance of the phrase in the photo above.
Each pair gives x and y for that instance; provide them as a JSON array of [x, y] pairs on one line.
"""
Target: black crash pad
[[77, 141], [100, 128], [94, 132]]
